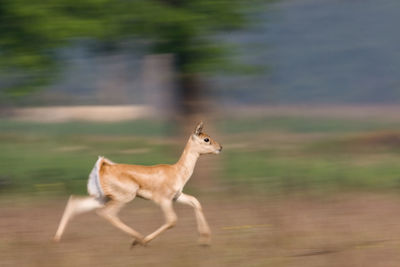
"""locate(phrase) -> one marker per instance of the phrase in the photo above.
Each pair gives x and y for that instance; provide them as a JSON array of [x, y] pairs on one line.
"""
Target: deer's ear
[[199, 128]]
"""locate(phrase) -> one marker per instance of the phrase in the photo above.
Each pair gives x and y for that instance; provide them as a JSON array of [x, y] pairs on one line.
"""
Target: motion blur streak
[[303, 95]]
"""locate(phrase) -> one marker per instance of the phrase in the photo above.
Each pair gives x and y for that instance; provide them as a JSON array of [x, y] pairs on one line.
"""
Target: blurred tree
[[32, 30]]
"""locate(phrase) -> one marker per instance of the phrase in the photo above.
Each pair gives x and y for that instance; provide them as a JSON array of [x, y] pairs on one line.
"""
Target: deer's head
[[203, 143]]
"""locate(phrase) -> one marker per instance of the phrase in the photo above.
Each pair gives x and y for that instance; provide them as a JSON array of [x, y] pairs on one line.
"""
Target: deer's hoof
[[134, 243], [138, 242], [204, 240]]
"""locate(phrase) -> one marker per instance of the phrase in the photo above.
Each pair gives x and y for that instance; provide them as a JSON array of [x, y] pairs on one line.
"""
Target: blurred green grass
[[264, 154], [303, 124], [130, 128], [58, 156]]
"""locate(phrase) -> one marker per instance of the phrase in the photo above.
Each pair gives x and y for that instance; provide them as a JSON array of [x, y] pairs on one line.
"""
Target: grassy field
[[288, 190], [262, 153]]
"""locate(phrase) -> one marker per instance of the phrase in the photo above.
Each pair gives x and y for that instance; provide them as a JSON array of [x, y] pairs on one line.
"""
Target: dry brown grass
[[342, 230]]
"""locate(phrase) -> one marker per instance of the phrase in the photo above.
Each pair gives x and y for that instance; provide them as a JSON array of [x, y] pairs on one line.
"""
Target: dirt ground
[[356, 229]]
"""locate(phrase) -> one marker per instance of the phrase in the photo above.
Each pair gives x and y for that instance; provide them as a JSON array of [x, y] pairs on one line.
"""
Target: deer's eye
[[206, 140]]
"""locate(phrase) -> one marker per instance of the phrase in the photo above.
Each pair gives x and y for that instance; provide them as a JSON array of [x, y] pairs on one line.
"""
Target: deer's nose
[[220, 148]]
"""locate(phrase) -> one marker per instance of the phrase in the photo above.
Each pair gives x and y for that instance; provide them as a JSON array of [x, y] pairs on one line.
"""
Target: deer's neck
[[187, 162]]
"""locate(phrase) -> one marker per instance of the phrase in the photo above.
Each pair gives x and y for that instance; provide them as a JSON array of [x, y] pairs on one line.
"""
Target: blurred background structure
[[304, 96]]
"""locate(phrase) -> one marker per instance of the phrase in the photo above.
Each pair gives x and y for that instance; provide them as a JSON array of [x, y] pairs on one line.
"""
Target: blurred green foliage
[[32, 31]]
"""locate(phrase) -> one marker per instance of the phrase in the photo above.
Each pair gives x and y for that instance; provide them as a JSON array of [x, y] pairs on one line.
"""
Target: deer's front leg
[[110, 213], [202, 225], [170, 220]]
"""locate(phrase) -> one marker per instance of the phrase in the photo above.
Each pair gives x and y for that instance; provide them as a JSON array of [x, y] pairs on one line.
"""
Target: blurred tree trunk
[[6, 108], [159, 83], [190, 101], [194, 106], [181, 99], [175, 96]]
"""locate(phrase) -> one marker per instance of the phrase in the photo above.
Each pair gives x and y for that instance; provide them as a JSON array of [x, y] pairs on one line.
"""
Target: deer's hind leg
[[75, 206], [112, 208], [110, 213], [170, 220]]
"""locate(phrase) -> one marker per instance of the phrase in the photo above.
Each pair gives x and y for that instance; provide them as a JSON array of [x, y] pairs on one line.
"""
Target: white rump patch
[[94, 186]]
